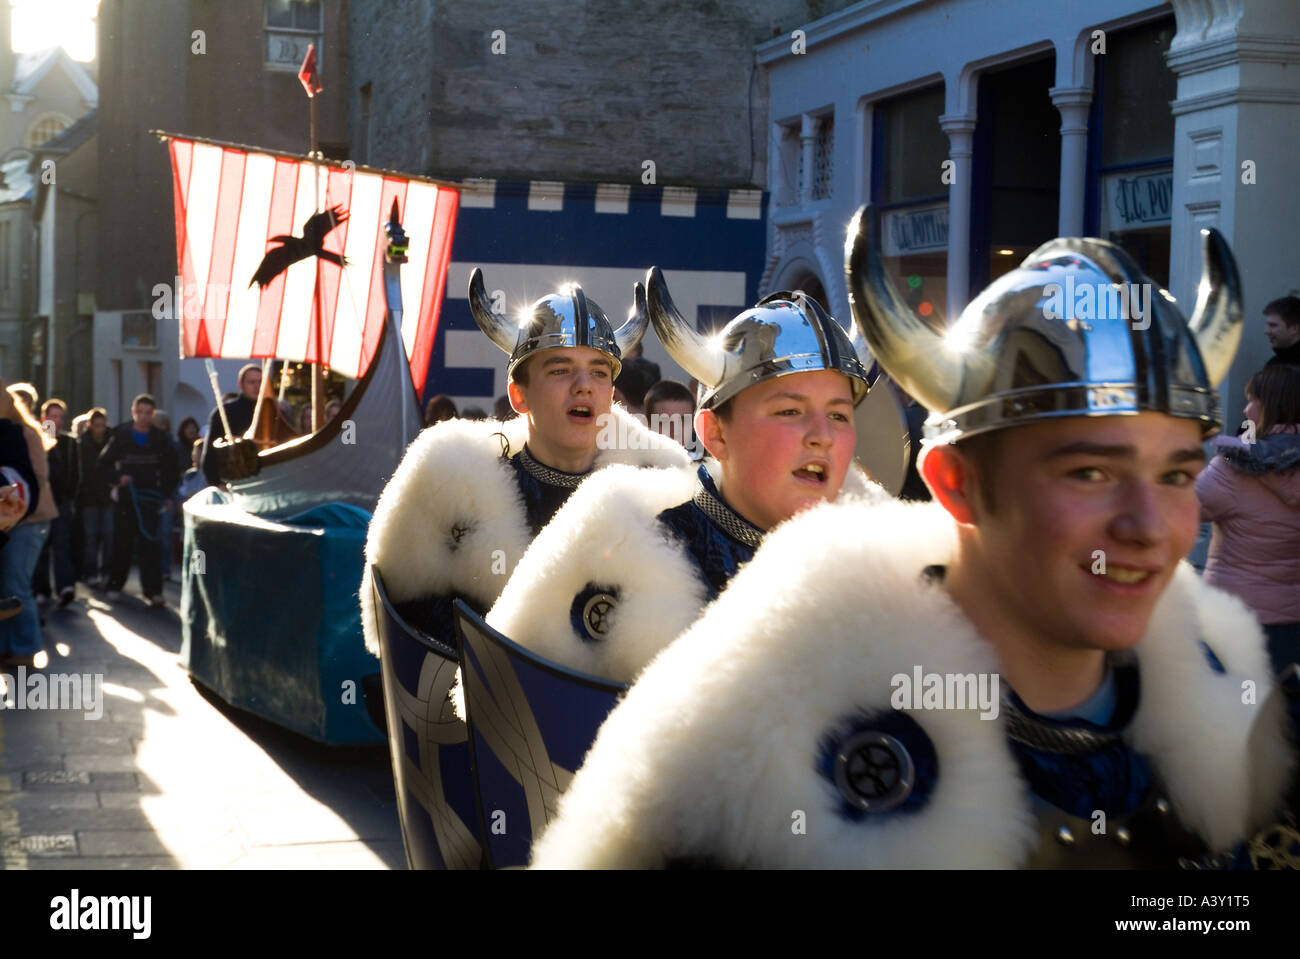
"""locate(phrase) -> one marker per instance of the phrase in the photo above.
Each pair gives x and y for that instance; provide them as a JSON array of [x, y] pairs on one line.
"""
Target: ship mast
[[307, 74]]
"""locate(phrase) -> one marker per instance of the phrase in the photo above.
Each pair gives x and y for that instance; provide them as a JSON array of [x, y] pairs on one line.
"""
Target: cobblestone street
[[170, 778]]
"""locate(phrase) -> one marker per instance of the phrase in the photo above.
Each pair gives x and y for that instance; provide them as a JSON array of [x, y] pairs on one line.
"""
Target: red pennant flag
[[307, 72]]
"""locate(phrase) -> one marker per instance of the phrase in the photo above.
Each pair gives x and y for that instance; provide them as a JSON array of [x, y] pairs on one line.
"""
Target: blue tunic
[[716, 538], [1112, 776], [545, 490]]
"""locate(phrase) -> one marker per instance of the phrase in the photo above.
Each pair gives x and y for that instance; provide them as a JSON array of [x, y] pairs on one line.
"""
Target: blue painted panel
[[578, 236]]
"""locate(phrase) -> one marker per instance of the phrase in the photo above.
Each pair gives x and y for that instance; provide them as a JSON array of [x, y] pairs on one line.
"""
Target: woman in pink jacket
[[1251, 492]]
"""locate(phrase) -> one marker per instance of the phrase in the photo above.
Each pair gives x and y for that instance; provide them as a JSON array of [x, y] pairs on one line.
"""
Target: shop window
[[789, 165], [292, 26], [1131, 186], [912, 147], [1016, 169], [823, 151], [909, 149], [139, 330]]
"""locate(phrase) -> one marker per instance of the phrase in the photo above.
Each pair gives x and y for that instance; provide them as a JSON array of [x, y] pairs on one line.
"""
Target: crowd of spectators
[[95, 501]]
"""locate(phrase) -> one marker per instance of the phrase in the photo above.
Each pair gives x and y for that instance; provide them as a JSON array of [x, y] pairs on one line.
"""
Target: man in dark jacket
[[239, 412], [140, 463], [93, 503], [64, 479], [1282, 327]]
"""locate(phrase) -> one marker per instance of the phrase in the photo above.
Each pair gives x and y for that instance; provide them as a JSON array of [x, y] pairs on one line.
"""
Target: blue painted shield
[[531, 722], [428, 743]]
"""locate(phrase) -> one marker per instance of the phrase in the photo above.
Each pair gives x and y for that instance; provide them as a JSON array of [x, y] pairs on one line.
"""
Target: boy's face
[[1064, 490], [785, 447], [568, 392]]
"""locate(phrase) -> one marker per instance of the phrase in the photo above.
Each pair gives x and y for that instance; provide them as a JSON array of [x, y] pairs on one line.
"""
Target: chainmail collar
[[1029, 729], [551, 477], [723, 516]]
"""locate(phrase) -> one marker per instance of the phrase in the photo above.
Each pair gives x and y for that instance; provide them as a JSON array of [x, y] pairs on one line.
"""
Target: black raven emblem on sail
[[295, 248]]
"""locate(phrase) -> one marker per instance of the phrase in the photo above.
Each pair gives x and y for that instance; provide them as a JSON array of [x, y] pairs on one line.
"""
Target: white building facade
[[981, 130]]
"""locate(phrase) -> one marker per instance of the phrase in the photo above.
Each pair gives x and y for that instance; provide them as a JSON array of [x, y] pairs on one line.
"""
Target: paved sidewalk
[[169, 777]]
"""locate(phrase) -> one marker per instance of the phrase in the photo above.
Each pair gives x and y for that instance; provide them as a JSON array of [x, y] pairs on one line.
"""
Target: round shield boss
[[592, 612], [874, 771]]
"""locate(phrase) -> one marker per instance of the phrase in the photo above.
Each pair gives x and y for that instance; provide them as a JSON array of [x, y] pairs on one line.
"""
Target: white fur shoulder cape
[[456, 477], [606, 536], [713, 752]]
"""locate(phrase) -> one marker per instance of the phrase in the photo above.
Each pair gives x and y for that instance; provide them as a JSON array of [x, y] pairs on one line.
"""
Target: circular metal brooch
[[874, 772], [593, 612]]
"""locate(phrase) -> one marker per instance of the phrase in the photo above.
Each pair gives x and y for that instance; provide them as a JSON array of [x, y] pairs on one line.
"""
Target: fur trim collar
[[684, 766], [1207, 733], [452, 519], [606, 535]]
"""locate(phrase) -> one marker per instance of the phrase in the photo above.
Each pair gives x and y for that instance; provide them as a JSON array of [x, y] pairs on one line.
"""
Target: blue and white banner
[[529, 237]]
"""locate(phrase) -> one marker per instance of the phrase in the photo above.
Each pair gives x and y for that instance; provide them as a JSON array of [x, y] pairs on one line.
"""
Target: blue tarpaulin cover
[[270, 616]]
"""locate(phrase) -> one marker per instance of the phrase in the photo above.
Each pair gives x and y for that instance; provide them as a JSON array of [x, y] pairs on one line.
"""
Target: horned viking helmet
[[1026, 350], [784, 333], [565, 319]]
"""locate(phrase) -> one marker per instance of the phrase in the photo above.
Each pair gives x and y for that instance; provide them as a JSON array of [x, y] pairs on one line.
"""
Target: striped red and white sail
[[230, 202]]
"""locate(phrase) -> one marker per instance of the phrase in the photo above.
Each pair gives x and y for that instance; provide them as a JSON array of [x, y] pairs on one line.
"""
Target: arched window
[[812, 286], [46, 127]]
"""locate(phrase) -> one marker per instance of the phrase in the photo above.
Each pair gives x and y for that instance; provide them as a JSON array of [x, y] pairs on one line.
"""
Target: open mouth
[[581, 413], [814, 473]]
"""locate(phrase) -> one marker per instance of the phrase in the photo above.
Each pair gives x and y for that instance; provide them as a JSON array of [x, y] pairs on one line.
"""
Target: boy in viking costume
[[456, 517], [636, 554], [1022, 673], [469, 496]]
